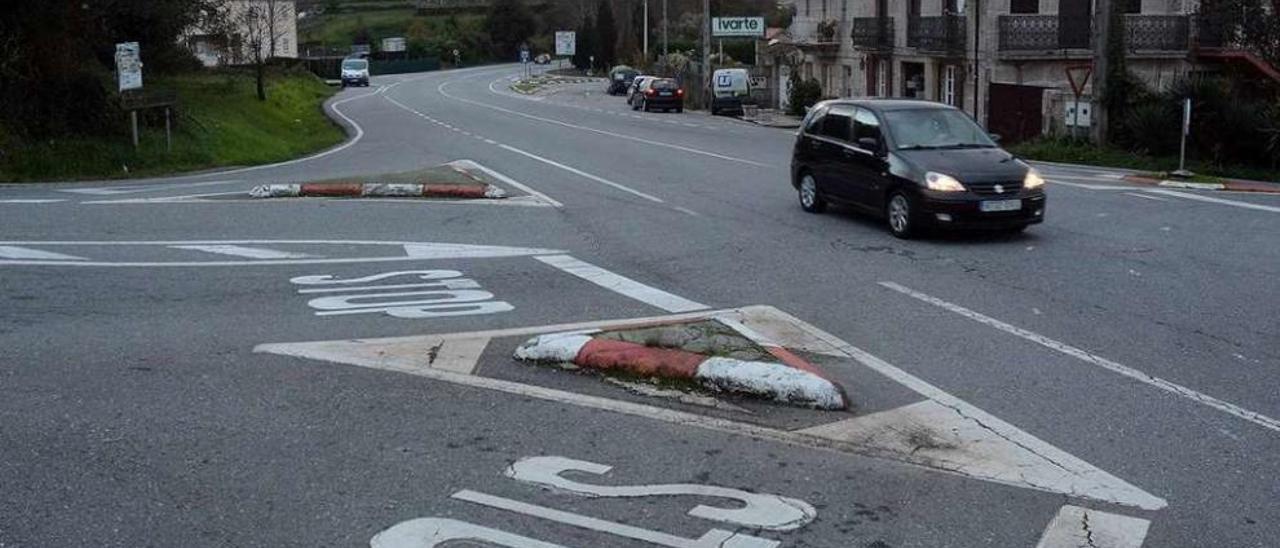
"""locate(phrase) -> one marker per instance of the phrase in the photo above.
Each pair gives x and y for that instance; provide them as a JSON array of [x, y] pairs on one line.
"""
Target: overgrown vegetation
[[803, 94], [218, 122], [1084, 152]]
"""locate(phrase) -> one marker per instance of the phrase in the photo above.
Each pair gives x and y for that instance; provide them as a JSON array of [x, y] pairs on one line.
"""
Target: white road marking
[[14, 252], [442, 91], [1076, 527], [621, 284], [715, 538], [32, 201], [583, 174], [111, 191], [1088, 186], [469, 164], [687, 211], [406, 251], [1212, 200], [241, 251], [1071, 475], [1144, 196], [1172, 388], [433, 532], [756, 510], [187, 198]]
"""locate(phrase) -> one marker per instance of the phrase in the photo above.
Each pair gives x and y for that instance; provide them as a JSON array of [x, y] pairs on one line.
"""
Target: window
[[846, 87], [949, 85], [933, 128], [1133, 6], [1024, 6], [816, 117], [865, 125], [806, 7], [882, 78], [838, 122]]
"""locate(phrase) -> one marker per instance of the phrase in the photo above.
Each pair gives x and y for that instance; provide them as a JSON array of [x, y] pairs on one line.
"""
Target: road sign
[[737, 26], [393, 44], [566, 42], [128, 66], [524, 55]]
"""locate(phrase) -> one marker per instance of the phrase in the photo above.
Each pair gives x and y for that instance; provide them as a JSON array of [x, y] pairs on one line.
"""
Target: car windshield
[[932, 128], [354, 64], [664, 84]]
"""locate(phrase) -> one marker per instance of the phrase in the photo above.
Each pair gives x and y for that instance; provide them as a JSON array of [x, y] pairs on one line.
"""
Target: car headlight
[[942, 182], [1032, 180]]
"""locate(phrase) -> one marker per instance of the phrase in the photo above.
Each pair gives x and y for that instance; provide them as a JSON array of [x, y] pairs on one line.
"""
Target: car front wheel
[[810, 199], [901, 215]]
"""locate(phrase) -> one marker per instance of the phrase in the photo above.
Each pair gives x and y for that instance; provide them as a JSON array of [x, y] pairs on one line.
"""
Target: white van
[[729, 88]]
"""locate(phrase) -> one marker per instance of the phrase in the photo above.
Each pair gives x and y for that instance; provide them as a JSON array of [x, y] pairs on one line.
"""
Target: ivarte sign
[[737, 26]]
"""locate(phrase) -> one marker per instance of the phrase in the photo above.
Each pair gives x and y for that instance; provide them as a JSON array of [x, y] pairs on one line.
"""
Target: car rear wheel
[[810, 199], [901, 215]]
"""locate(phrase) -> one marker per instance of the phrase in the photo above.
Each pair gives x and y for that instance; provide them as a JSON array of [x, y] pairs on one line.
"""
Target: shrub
[[803, 95]]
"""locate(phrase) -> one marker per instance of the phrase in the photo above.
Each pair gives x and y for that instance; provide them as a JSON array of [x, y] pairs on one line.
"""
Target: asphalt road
[[1135, 330]]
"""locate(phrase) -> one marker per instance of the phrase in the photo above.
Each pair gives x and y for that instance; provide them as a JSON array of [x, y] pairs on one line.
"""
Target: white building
[[270, 24]]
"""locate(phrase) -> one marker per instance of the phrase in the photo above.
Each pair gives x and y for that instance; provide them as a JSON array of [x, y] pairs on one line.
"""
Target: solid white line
[[1140, 195], [241, 251], [1090, 187], [621, 284], [442, 91], [1212, 200], [471, 164], [687, 211], [1176, 389], [164, 199], [711, 539], [111, 191], [584, 174], [32, 201], [1074, 527], [14, 252]]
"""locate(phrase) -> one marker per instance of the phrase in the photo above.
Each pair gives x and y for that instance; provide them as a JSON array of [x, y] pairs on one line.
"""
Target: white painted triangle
[[457, 355], [464, 251], [15, 252], [1076, 527], [934, 435], [243, 251]]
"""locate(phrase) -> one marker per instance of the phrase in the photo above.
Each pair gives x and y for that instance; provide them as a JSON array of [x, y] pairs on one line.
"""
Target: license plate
[[1000, 205], [665, 93]]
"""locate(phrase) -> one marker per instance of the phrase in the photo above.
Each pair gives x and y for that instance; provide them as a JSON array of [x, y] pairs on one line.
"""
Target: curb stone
[[775, 381], [378, 190], [1234, 185]]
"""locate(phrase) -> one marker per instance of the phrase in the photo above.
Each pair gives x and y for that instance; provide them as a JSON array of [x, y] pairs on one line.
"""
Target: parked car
[[919, 164], [636, 83], [542, 59], [620, 78], [355, 72], [659, 93], [730, 88]]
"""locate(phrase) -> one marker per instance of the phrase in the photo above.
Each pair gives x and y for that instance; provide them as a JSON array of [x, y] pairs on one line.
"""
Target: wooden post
[[133, 123]]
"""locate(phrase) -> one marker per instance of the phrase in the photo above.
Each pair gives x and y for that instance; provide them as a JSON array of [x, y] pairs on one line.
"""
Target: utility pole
[[646, 31], [664, 28], [977, 59], [1101, 47], [706, 47]]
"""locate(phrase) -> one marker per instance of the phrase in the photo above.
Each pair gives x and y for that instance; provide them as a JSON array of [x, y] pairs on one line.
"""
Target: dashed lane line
[[1083, 355]]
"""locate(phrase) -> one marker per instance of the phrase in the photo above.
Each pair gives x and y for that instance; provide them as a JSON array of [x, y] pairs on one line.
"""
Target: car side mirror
[[994, 137], [869, 143]]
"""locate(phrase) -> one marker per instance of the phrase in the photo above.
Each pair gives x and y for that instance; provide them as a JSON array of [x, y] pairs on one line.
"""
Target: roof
[[882, 105]]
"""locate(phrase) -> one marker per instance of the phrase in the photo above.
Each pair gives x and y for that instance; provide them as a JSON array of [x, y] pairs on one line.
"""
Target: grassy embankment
[[219, 122]]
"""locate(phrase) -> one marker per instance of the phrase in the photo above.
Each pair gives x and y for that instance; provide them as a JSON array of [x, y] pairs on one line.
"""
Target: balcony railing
[[945, 33], [873, 32], [1050, 32], [1157, 32]]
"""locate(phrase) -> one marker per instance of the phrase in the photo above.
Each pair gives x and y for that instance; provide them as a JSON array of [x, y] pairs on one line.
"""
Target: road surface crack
[[433, 353], [1088, 533]]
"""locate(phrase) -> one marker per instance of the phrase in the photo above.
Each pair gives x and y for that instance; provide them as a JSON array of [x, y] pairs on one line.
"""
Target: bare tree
[[259, 24]]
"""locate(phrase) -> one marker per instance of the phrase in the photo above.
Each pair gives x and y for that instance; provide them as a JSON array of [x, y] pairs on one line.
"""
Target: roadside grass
[[1082, 152], [218, 122]]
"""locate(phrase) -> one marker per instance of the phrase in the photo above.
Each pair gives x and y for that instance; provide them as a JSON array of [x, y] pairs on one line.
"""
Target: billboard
[[566, 42], [724, 27]]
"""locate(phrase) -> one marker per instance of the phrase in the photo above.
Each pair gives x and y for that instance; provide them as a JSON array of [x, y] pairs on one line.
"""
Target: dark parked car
[[620, 79], [659, 93], [919, 164]]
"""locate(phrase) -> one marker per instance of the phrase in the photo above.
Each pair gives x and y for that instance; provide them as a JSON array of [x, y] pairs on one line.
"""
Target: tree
[[585, 48], [510, 24], [607, 35]]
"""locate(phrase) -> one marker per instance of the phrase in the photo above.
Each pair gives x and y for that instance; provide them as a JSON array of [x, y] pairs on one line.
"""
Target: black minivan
[[919, 164]]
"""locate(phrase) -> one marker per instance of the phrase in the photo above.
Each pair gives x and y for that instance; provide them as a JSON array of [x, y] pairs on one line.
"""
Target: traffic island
[[448, 181], [707, 355]]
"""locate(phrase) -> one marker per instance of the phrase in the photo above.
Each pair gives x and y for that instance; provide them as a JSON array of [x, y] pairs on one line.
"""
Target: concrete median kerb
[[448, 181], [722, 364], [1233, 185]]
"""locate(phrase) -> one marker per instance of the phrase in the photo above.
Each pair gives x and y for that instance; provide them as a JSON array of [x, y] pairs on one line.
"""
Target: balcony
[[941, 34], [1053, 37], [873, 33]]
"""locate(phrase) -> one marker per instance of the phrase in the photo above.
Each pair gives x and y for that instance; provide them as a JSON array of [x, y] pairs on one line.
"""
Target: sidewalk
[[773, 118]]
